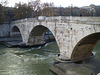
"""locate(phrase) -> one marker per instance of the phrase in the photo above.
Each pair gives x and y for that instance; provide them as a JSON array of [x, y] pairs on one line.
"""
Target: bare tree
[[48, 9], [22, 10], [36, 6], [4, 2]]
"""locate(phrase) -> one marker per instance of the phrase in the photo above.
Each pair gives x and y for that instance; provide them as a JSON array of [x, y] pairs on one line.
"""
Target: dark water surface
[[27, 61], [30, 61]]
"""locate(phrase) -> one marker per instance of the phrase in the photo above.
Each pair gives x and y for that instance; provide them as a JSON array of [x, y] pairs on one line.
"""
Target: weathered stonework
[[75, 36], [4, 30]]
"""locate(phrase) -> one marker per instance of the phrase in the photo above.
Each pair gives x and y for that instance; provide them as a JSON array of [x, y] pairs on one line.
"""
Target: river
[[30, 61], [27, 61]]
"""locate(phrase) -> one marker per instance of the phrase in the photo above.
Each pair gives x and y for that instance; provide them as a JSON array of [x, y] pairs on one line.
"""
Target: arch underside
[[36, 36], [15, 29], [15, 33], [38, 30], [84, 47]]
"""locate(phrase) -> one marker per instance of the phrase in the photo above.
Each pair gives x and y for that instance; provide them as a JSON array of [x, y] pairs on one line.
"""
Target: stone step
[[12, 44], [57, 71]]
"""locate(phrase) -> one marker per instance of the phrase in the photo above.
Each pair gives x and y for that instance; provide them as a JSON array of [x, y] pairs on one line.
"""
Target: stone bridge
[[75, 36]]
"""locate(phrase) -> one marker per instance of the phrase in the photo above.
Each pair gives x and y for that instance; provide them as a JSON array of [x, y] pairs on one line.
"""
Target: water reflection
[[28, 61]]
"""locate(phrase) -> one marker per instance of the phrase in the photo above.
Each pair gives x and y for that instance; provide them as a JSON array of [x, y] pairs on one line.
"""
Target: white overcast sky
[[63, 3]]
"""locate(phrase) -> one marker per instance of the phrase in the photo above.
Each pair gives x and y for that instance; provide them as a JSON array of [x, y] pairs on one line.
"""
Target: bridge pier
[[35, 40]]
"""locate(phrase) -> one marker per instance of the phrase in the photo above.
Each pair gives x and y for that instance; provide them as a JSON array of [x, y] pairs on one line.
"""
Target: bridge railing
[[65, 19], [25, 20]]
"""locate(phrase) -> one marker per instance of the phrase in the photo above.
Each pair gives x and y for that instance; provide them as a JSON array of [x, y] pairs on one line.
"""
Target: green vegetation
[[2, 16], [22, 11]]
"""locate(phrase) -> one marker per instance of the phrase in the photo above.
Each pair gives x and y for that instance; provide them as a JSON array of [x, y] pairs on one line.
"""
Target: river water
[[29, 61]]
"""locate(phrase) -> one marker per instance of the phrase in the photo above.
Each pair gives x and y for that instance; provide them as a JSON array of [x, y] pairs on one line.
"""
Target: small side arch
[[16, 33], [15, 29], [84, 47]]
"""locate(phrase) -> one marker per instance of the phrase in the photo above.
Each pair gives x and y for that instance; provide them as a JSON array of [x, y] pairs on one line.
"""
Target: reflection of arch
[[15, 32], [85, 46]]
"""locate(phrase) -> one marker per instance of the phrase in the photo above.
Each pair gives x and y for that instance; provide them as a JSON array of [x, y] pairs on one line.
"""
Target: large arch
[[36, 36], [84, 47], [16, 33]]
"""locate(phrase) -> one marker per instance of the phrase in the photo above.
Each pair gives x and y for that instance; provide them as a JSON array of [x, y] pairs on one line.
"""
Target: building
[[93, 10]]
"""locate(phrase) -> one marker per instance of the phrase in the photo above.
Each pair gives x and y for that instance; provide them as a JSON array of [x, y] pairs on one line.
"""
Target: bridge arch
[[15, 29], [84, 47], [36, 35], [15, 32]]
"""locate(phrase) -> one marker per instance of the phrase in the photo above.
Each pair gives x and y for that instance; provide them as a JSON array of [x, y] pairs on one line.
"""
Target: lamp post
[[80, 12], [71, 9], [32, 14], [92, 12], [60, 11], [10, 16]]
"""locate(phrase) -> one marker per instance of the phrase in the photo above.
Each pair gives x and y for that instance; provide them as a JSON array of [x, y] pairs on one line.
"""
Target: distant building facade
[[93, 10]]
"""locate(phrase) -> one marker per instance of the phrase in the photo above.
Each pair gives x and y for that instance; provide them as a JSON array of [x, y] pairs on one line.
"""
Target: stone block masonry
[[4, 30], [75, 36]]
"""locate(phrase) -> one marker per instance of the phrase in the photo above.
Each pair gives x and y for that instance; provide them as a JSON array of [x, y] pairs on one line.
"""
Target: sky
[[63, 3]]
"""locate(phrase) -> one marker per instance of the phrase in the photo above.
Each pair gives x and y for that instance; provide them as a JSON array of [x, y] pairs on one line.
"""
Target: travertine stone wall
[[4, 30], [68, 31]]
